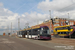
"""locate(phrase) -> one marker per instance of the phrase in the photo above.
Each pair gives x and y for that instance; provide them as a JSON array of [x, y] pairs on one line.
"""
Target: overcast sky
[[32, 11]]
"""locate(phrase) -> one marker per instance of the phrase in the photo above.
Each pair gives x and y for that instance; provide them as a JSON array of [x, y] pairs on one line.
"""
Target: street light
[[50, 21], [68, 19], [69, 24]]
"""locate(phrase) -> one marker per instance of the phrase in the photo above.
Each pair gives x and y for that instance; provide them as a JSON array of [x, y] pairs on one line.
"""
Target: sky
[[32, 12]]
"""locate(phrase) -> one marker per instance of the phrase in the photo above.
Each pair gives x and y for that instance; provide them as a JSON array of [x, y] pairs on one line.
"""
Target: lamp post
[[50, 21], [69, 24], [68, 19]]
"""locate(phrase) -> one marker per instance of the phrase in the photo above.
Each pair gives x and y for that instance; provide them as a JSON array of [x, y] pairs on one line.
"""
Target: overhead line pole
[[18, 24], [8, 28], [11, 27]]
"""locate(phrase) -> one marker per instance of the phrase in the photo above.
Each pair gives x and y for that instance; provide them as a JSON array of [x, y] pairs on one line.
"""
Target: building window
[[71, 23], [64, 21], [56, 24]]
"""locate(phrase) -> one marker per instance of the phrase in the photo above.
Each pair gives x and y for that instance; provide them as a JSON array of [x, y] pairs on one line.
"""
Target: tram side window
[[71, 27], [74, 25], [66, 32], [62, 28], [65, 27], [56, 29], [35, 32], [59, 28], [19, 33], [63, 32]]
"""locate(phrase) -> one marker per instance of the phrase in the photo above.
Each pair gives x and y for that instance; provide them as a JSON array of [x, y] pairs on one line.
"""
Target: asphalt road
[[13, 43]]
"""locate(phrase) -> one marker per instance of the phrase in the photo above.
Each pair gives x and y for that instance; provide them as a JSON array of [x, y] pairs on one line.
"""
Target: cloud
[[55, 5], [33, 18], [6, 17], [1, 4], [2, 20], [59, 8]]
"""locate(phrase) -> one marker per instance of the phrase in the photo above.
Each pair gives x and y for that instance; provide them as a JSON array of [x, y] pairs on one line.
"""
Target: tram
[[39, 32], [21, 33], [67, 31]]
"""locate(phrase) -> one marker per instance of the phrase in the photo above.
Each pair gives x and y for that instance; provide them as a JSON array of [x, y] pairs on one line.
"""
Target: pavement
[[13, 43]]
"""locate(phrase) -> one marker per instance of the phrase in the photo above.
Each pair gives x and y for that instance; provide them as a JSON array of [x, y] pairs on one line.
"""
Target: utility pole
[[11, 27], [50, 21], [37, 21], [8, 28], [27, 24], [18, 24]]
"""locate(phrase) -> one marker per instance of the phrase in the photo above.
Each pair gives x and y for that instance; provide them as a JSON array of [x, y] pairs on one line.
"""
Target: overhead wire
[[66, 7]]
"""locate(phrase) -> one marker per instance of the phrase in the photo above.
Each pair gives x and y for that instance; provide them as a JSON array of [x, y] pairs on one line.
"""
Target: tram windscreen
[[44, 32], [45, 28]]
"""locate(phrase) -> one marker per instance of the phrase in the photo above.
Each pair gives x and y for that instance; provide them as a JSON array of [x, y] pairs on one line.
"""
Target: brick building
[[56, 22]]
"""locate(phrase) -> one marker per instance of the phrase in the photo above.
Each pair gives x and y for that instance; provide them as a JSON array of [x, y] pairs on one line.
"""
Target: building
[[4, 34], [57, 22]]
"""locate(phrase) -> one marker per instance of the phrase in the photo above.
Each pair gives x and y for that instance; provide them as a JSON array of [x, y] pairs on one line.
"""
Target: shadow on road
[[45, 39]]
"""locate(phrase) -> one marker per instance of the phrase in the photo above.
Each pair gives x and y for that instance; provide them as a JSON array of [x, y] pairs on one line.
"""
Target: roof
[[36, 27]]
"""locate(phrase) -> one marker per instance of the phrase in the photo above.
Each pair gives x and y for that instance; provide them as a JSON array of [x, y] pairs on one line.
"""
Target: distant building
[[4, 34]]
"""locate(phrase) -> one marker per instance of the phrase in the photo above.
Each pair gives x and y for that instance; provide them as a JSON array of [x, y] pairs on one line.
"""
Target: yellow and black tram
[[65, 31]]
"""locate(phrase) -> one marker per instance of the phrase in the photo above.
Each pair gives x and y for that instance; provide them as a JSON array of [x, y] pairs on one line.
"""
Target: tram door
[[23, 34]]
